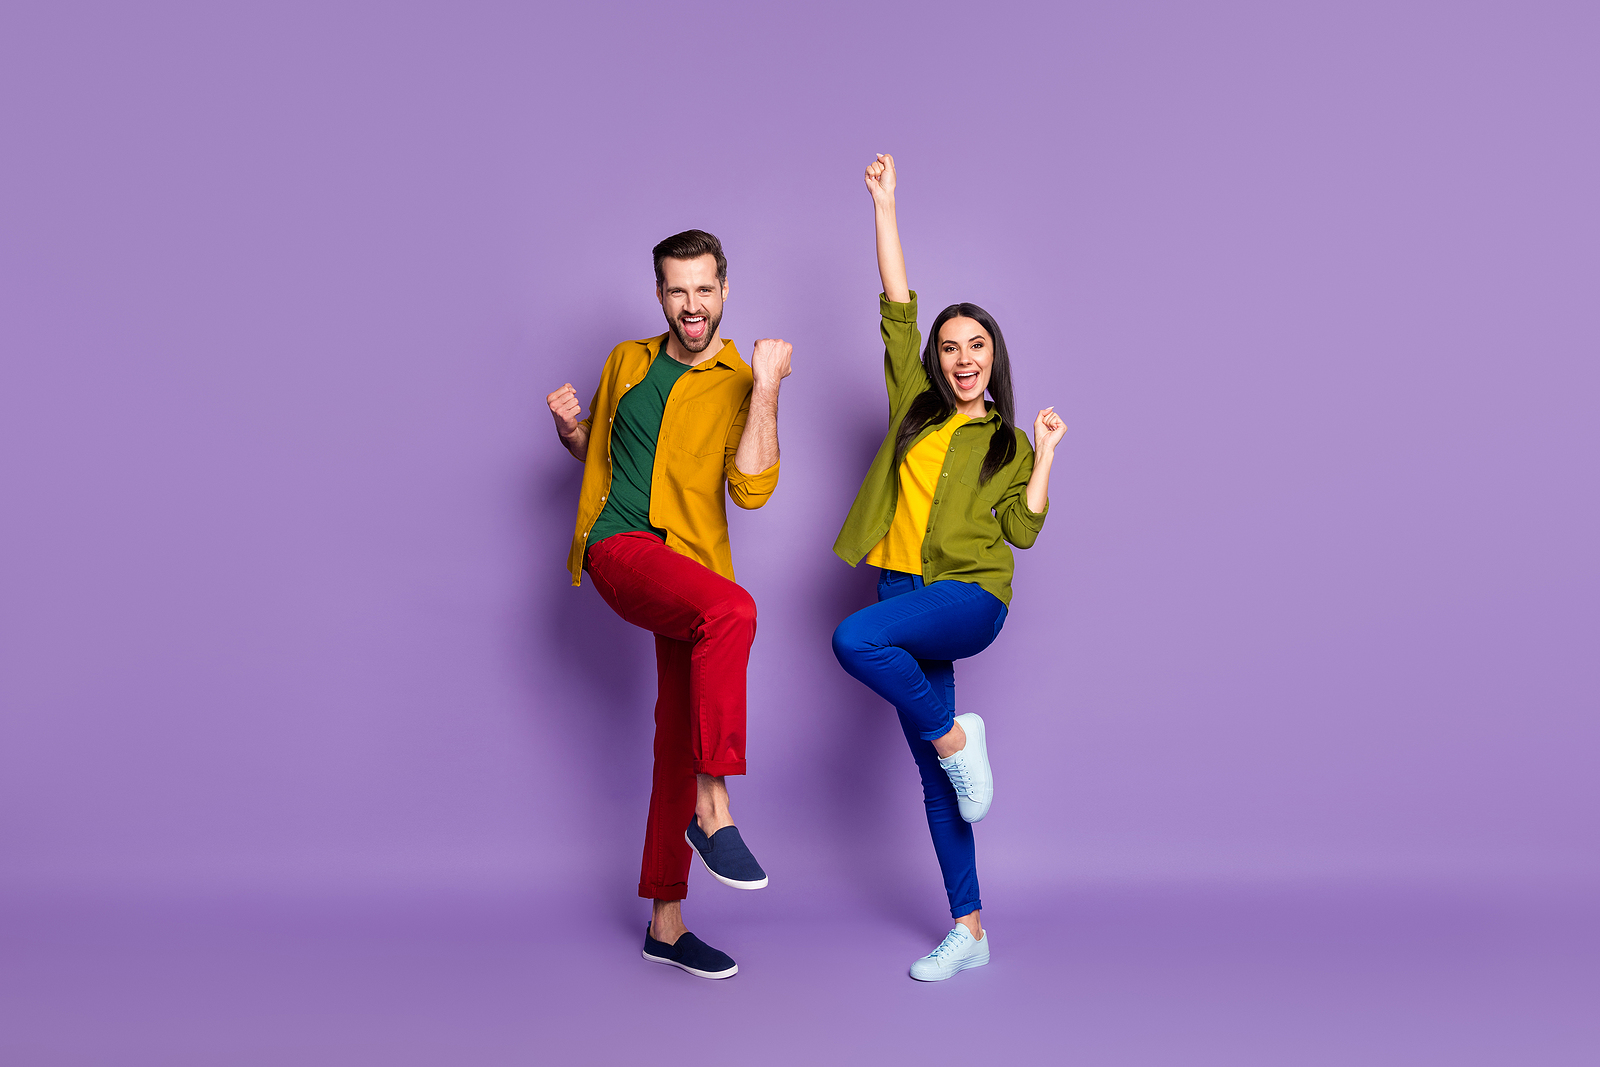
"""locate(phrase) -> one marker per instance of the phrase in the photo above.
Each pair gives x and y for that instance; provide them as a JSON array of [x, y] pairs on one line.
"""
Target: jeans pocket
[[894, 583], [607, 591]]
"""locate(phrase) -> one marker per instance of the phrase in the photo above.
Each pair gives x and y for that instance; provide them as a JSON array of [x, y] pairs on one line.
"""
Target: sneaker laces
[[960, 777], [947, 946]]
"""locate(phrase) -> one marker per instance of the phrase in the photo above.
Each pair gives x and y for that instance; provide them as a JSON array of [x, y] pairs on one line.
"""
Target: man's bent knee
[[735, 612]]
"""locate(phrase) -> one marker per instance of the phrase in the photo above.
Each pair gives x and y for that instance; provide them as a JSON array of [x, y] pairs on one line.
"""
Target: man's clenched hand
[[770, 361], [565, 408]]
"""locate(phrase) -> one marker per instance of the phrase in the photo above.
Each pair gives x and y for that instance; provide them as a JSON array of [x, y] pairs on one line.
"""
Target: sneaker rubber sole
[[729, 973], [967, 966]]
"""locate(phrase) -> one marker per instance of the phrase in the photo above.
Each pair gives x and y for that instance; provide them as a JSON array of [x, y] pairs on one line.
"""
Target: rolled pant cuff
[[934, 735], [719, 767], [671, 891], [958, 910]]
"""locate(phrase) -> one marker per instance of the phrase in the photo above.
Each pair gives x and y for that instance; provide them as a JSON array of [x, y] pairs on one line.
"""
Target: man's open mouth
[[693, 326]]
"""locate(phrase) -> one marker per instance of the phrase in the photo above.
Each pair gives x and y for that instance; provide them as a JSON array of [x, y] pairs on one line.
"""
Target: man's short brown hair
[[690, 244]]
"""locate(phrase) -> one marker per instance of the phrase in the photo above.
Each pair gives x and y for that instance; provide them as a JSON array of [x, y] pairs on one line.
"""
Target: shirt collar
[[988, 412], [728, 355]]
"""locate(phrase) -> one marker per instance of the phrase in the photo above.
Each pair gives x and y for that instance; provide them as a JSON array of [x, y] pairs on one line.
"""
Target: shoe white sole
[[760, 883], [946, 977], [729, 973], [965, 965]]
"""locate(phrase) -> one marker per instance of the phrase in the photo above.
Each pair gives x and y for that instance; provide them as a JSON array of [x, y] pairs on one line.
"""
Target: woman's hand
[[1047, 430], [880, 179]]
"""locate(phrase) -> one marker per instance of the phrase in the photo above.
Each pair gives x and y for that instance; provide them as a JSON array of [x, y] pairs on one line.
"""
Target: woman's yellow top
[[901, 547]]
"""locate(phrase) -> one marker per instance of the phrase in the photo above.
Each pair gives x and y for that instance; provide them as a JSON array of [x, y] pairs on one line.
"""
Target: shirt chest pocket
[[973, 468], [699, 428]]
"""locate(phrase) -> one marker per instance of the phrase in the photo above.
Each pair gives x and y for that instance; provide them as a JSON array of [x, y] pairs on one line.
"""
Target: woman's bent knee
[[853, 641]]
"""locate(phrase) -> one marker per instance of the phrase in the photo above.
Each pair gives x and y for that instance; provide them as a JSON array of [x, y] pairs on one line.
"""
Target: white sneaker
[[958, 951], [969, 771]]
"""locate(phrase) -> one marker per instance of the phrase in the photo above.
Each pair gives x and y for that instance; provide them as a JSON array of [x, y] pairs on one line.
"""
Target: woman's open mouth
[[965, 382]]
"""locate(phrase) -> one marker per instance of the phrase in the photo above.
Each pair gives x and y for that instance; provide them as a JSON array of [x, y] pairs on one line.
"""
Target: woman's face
[[966, 355]]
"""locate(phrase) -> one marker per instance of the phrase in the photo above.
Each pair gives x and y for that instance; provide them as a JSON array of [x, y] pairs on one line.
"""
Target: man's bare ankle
[[666, 922], [710, 821]]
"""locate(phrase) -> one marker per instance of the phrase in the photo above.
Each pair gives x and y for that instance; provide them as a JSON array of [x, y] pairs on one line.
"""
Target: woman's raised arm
[[891, 260], [1048, 429]]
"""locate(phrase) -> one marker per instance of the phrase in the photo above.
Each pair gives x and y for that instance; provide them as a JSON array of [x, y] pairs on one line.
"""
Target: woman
[[953, 481]]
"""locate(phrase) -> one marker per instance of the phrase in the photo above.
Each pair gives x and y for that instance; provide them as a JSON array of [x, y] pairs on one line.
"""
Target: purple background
[[1294, 714]]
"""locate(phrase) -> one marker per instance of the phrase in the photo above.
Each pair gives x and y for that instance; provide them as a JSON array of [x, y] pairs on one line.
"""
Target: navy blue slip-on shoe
[[691, 954], [726, 856]]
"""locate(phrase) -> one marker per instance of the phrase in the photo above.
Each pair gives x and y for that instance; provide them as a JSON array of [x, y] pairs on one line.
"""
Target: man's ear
[[724, 289], [660, 301]]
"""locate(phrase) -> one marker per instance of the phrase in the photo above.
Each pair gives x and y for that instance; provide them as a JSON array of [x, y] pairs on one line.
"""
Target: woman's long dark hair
[[938, 401]]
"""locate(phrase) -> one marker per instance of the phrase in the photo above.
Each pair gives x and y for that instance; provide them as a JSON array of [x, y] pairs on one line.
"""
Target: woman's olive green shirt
[[969, 524]]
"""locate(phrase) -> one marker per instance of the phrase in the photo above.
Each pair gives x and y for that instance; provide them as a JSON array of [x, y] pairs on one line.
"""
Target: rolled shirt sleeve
[[1019, 525], [902, 350], [749, 491]]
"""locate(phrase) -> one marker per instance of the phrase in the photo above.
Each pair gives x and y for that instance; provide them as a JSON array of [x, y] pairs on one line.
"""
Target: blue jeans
[[903, 648]]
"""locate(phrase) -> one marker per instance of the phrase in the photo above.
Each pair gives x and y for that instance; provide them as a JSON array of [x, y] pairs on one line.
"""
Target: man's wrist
[[765, 387]]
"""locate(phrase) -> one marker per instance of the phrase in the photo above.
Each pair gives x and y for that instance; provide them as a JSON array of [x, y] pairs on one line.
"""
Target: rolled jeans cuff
[[958, 910], [718, 767], [667, 891], [934, 735]]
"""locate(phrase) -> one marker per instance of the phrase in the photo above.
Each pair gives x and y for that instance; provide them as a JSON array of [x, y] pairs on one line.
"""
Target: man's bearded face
[[691, 297]]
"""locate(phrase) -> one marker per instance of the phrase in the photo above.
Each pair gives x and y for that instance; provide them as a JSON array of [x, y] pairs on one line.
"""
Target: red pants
[[704, 625]]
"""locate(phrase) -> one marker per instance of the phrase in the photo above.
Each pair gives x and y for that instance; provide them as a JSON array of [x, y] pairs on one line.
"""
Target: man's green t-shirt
[[633, 452]]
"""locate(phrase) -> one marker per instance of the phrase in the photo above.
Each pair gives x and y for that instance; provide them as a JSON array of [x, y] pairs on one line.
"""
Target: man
[[675, 419]]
